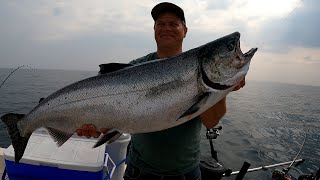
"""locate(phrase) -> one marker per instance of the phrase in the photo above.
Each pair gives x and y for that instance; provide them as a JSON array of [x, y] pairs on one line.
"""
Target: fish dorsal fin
[[41, 99], [201, 100], [58, 136], [111, 67], [108, 138]]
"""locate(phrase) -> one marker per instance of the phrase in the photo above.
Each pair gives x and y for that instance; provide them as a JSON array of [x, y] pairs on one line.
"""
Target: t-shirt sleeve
[[146, 58]]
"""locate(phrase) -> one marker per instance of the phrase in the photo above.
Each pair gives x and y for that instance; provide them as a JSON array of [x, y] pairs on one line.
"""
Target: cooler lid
[[75, 154]]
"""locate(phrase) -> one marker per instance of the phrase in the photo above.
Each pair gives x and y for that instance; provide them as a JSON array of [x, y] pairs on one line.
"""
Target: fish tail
[[19, 142]]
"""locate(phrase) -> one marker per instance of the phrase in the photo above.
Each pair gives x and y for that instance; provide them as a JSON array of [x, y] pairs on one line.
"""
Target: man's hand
[[240, 85], [89, 130], [212, 116]]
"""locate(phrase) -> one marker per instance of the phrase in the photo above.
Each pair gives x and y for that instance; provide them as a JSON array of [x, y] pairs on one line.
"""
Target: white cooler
[[75, 159]]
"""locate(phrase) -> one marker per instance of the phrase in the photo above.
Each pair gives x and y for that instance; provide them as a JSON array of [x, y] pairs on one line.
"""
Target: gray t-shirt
[[172, 151]]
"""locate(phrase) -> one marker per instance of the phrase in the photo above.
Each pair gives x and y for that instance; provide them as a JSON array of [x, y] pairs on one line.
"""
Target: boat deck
[[2, 165]]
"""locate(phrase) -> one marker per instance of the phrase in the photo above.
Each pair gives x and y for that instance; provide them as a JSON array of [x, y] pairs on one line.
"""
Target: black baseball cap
[[167, 7]]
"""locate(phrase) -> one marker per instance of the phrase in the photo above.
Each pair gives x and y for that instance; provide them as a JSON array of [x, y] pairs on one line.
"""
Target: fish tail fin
[[19, 142]]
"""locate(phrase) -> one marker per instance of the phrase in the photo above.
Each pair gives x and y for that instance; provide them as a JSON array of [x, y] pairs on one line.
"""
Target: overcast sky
[[80, 35]]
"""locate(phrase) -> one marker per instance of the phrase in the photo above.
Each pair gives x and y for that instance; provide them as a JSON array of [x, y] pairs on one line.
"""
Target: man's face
[[169, 31]]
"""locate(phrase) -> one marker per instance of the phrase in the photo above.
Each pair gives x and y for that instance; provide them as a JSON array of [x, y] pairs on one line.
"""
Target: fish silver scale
[[148, 97], [129, 106], [144, 98]]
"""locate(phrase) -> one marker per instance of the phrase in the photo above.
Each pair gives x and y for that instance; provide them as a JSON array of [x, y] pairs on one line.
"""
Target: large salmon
[[147, 97]]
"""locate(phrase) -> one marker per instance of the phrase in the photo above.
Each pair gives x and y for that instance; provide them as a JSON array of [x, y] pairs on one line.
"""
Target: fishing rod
[[279, 174], [297, 161], [304, 141], [210, 167], [283, 174], [12, 73]]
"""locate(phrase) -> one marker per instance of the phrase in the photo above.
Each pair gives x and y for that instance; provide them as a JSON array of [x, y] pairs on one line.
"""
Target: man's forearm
[[212, 116]]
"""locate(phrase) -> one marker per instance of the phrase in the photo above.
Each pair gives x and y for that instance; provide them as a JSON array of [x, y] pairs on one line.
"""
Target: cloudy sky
[[80, 35]]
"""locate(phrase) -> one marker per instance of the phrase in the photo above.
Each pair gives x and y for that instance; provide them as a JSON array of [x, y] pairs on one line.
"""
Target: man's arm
[[211, 117]]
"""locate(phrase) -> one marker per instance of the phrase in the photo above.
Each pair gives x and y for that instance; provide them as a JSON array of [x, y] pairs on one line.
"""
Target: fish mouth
[[248, 55], [241, 63], [235, 66], [245, 58]]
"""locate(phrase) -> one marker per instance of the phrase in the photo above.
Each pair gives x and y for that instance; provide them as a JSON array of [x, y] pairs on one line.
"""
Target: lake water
[[265, 122]]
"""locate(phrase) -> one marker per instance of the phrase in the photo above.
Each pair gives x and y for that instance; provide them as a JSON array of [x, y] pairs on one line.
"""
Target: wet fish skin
[[148, 97]]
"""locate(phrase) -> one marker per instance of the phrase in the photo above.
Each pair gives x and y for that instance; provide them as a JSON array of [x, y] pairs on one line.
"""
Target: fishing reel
[[213, 133], [280, 175], [210, 166], [312, 176]]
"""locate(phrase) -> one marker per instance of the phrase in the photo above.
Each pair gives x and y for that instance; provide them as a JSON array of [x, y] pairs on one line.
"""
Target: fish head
[[222, 62]]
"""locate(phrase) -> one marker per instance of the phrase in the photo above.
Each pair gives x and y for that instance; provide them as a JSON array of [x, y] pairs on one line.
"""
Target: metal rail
[[268, 166]]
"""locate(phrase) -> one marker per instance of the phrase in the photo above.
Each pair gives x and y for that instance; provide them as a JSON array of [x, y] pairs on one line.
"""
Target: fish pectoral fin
[[111, 67], [201, 100], [108, 138], [58, 136]]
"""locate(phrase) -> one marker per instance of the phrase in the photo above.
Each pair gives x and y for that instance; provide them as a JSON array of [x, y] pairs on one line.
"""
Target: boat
[[211, 168], [76, 159]]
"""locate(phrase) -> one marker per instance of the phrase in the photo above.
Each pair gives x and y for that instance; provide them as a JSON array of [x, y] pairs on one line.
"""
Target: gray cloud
[[57, 11], [310, 59], [84, 52], [218, 5], [69, 35], [299, 29]]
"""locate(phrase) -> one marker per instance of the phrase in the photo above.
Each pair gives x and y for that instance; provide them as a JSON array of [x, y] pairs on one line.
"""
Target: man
[[172, 153]]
